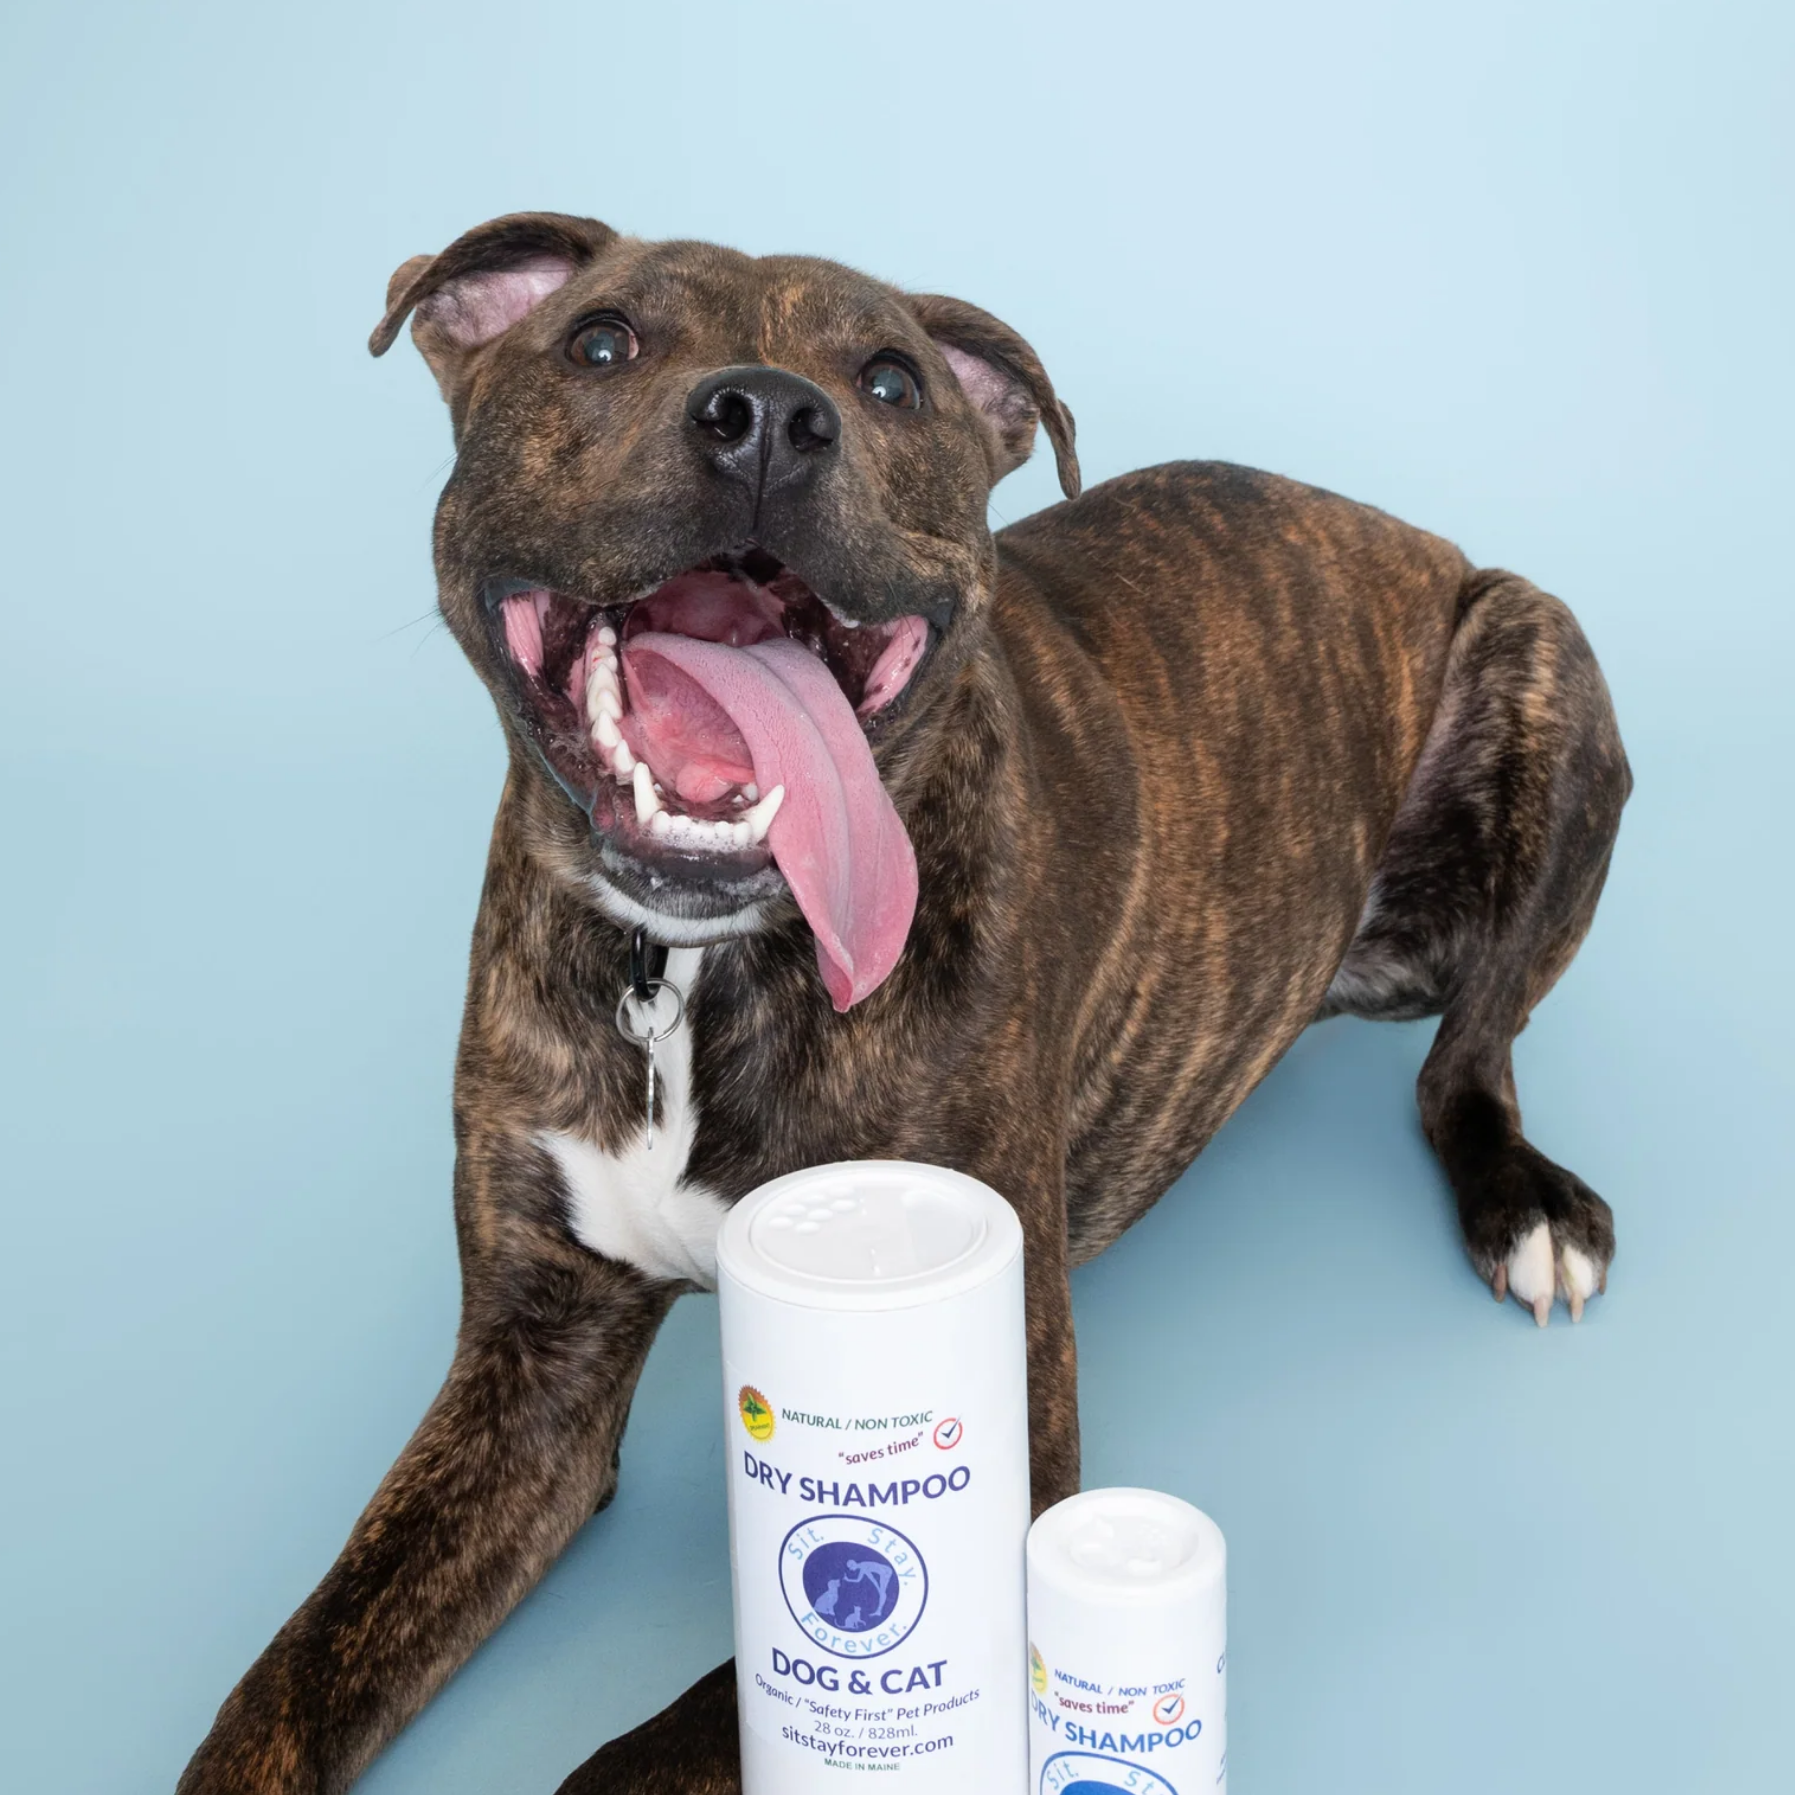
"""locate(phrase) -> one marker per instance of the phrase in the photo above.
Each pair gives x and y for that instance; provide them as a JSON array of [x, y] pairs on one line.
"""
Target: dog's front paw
[[1538, 1233], [690, 1748]]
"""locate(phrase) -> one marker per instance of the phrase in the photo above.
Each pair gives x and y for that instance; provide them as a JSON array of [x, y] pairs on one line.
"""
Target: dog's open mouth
[[719, 721]]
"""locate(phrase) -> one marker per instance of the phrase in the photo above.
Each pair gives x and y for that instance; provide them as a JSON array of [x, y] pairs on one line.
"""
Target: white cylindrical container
[[876, 1401], [1128, 1647]]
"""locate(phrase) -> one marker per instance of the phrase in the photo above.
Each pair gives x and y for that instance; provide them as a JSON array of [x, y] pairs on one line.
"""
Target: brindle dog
[[1186, 763]]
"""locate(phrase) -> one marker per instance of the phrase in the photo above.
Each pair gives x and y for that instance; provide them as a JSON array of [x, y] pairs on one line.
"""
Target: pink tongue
[[837, 838]]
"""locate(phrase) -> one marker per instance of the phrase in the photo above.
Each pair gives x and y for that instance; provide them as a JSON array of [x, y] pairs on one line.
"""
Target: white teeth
[[695, 834], [648, 806], [604, 705], [604, 713], [760, 819]]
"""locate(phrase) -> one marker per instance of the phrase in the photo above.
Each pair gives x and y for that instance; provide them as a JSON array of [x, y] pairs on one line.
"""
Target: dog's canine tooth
[[648, 806], [760, 819]]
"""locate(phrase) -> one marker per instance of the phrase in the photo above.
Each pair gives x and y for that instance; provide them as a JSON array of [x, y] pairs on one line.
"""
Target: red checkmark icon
[[948, 1433]]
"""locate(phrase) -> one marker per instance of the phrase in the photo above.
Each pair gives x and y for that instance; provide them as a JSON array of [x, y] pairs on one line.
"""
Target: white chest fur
[[637, 1205]]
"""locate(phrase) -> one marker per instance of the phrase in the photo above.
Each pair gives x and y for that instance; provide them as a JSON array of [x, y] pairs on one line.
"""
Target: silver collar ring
[[649, 1036]]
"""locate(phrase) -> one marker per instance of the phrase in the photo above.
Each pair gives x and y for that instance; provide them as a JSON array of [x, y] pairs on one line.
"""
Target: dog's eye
[[891, 383], [603, 344]]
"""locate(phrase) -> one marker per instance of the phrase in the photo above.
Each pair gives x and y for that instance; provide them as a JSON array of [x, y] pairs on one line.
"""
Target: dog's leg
[[1485, 890], [691, 1747], [1053, 1441], [516, 1451]]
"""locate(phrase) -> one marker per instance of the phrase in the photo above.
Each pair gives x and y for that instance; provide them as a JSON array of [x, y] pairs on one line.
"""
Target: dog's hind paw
[[1534, 1230], [1541, 1268]]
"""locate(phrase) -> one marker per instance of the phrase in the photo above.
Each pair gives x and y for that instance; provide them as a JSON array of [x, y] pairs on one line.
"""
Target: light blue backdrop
[[1520, 273]]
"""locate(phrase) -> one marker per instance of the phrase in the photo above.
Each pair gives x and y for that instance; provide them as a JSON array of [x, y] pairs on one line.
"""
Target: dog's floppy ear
[[1004, 379], [483, 283]]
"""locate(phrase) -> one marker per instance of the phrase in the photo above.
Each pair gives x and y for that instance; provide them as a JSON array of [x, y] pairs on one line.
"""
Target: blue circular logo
[[855, 1587], [1091, 1773]]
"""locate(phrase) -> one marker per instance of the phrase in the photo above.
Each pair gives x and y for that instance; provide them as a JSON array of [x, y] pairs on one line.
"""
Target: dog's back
[[1232, 677]]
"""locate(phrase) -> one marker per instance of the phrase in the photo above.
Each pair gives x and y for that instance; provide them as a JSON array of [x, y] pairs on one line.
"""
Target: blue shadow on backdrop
[[1519, 273]]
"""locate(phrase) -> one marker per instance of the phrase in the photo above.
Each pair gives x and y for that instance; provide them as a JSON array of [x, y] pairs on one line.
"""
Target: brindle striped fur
[[1206, 754]]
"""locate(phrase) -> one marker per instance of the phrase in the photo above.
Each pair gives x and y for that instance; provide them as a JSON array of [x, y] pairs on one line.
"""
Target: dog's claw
[[1538, 1271], [1529, 1272], [1578, 1279]]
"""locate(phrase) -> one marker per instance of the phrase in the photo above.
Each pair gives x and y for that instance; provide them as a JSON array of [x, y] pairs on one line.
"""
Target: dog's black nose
[[763, 426]]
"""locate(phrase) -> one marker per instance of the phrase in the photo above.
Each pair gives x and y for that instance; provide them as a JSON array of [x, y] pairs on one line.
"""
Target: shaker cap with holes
[[869, 1235], [1127, 1547]]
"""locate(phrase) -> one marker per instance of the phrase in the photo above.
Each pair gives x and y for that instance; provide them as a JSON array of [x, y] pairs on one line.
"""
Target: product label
[[1151, 1735], [878, 1568]]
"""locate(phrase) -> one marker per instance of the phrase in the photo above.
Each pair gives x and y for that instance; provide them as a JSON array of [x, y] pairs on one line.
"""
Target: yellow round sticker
[[756, 1413]]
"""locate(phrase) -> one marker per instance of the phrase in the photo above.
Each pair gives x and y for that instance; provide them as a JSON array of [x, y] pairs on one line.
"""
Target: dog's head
[[713, 516]]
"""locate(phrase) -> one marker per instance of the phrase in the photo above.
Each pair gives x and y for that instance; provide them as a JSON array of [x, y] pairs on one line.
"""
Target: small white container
[[876, 1402], [1128, 1647]]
